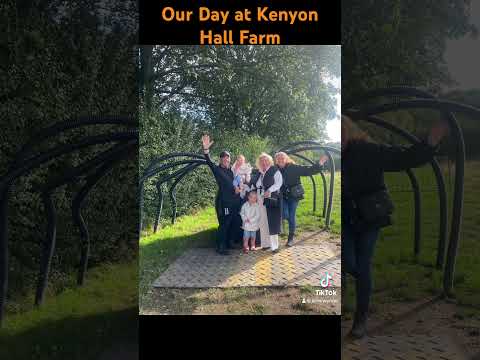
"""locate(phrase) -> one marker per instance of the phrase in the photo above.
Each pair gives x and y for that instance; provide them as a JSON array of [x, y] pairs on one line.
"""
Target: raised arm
[[398, 158], [314, 169], [206, 144]]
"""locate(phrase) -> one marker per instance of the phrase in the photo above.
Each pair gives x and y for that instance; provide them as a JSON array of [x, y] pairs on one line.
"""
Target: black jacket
[[292, 172], [224, 179], [363, 167]]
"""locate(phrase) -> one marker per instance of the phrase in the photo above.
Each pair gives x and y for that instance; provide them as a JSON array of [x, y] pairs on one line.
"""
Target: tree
[[281, 92], [399, 42]]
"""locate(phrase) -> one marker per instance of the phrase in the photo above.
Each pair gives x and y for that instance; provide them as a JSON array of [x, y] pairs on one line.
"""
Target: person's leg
[[292, 225], [274, 242], [236, 234], [253, 236], [285, 214], [348, 240], [246, 235], [225, 233], [364, 250], [220, 231]]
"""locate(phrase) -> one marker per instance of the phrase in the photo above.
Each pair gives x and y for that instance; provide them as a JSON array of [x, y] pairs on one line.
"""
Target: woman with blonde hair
[[268, 182], [292, 189], [366, 205]]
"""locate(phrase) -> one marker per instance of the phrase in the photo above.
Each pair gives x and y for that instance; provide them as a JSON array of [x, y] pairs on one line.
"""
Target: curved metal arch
[[307, 145], [47, 192], [154, 172], [447, 107], [407, 91], [172, 191], [159, 159], [414, 92], [79, 199], [18, 170], [324, 182], [314, 145], [64, 125], [442, 193], [159, 209], [417, 212], [39, 160], [314, 208], [327, 151]]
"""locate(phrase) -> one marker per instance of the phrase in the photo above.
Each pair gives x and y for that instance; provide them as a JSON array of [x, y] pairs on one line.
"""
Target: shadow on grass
[[158, 255], [161, 252], [105, 336]]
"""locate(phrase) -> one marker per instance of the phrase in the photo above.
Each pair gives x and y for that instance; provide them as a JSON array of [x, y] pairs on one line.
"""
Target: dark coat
[[224, 178], [274, 214], [363, 167], [291, 174]]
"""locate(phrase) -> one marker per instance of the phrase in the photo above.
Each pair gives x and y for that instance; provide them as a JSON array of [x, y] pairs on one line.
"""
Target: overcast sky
[[463, 55], [333, 125]]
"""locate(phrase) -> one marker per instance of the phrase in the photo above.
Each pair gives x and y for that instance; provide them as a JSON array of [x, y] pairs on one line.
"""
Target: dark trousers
[[229, 230], [357, 254], [290, 213]]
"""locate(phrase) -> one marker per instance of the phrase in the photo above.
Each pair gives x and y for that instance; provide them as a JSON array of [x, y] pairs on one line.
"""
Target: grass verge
[[79, 323]]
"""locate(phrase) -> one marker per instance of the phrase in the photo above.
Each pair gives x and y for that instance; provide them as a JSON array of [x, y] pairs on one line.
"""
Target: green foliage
[[158, 251], [61, 65], [398, 42], [171, 133], [81, 323], [276, 91], [248, 99]]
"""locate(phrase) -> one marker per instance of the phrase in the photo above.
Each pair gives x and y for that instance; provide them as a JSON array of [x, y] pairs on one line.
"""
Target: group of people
[[273, 191], [254, 202]]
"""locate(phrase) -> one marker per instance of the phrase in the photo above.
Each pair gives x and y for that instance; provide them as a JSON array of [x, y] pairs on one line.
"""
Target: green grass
[[79, 323], [159, 250], [306, 219], [398, 276]]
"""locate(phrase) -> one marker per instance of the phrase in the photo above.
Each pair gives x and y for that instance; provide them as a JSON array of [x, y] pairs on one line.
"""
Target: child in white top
[[250, 214]]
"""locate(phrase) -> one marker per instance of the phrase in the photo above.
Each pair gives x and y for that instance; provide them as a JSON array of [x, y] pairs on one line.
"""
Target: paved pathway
[[424, 330], [403, 347], [300, 265]]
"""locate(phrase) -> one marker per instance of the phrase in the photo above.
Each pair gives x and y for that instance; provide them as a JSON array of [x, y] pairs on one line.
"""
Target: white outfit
[[264, 232], [268, 240], [250, 212]]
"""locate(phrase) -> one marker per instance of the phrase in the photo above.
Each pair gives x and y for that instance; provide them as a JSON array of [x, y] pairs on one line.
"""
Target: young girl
[[242, 172], [250, 214]]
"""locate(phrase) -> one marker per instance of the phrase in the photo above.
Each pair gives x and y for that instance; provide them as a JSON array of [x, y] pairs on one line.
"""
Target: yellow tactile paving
[[263, 271], [296, 266]]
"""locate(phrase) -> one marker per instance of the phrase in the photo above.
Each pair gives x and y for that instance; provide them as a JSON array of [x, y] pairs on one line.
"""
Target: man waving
[[230, 221]]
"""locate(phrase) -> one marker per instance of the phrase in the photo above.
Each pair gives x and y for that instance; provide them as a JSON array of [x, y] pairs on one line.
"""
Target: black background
[[154, 30], [291, 337]]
